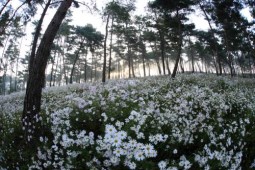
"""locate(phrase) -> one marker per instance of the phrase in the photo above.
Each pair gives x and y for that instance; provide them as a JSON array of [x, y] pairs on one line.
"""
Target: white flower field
[[191, 122]]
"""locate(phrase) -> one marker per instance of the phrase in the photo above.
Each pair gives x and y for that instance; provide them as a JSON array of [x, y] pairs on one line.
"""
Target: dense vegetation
[[194, 121], [153, 43], [182, 122]]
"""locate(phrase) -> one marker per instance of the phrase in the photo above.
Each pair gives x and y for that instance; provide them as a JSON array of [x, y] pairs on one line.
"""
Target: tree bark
[[36, 36], [32, 102], [105, 41], [162, 48], [167, 66], [73, 67], [129, 61], [179, 48], [215, 48], [157, 59], [110, 53], [143, 59]]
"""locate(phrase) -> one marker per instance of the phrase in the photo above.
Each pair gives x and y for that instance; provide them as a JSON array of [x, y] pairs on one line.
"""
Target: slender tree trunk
[[250, 64], [215, 48], [32, 102], [132, 67], [105, 41], [157, 59], [52, 67], [85, 69], [167, 66], [10, 90], [143, 59], [129, 62], [55, 71], [73, 67], [229, 57], [110, 53], [64, 70], [4, 49], [181, 65], [149, 68], [95, 71], [17, 64], [36, 36], [199, 67], [179, 48], [191, 56], [91, 73], [162, 47], [5, 65], [4, 83], [4, 6], [177, 58]]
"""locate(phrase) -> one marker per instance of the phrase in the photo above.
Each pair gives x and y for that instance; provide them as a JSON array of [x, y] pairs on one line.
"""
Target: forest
[[147, 91], [162, 41]]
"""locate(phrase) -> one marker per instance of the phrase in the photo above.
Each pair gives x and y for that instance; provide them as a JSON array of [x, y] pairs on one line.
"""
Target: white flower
[[162, 165], [132, 143], [107, 163], [118, 152], [159, 137], [139, 156], [110, 129], [116, 141], [64, 137], [148, 149], [132, 165], [115, 160], [122, 134], [108, 138]]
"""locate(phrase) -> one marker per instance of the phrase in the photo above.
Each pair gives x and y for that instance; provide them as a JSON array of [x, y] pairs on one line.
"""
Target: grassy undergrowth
[[191, 122]]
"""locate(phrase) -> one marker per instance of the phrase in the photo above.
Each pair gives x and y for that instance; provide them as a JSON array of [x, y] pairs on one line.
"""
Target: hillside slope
[[191, 122]]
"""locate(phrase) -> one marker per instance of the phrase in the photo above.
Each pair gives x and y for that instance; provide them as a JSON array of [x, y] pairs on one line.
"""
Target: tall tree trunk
[[95, 71], [3, 84], [64, 70], [32, 102], [105, 41], [229, 57], [167, 66], [162, 48], [85, 70], [149, 68], [17, 64], [191, 52], [179, 48], [215, 48], [250, 64], [157, 59], [10, 90], [36, 36], [129, 62], [181, 65], [132, 67], [73, 67], [110, 53], [199, 67], [143, 59], [56, 68], [91, 72], [52, 67]]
